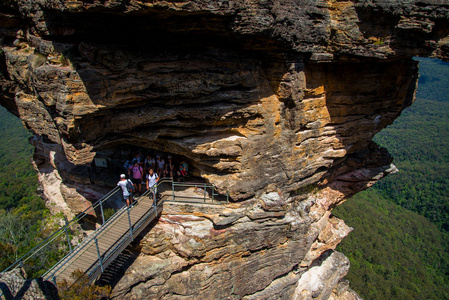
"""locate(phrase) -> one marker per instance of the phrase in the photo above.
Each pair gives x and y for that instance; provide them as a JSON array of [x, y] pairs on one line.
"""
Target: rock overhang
[[211, 85]]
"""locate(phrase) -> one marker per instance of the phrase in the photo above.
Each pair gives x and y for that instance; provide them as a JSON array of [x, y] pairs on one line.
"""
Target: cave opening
[[112, 161], [119, 159]]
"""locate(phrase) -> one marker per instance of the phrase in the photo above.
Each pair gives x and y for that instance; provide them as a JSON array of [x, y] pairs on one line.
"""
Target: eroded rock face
[[275, 102]]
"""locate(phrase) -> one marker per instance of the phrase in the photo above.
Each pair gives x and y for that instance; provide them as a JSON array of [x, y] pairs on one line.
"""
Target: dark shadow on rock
[[49, 289], [6, 291], [189, 75], [405, 29], [369, 97], [39, 288]]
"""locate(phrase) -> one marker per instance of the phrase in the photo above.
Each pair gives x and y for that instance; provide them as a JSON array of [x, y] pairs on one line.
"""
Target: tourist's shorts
[[135, 180]]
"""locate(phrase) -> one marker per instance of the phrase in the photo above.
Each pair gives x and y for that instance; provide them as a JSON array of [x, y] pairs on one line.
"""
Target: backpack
[[130, 186]]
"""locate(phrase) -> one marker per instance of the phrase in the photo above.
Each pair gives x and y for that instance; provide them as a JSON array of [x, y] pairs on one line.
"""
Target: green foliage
[[18, 179], [419, 142], [21, 210], [19, 234], [108, 213], [306, 189], [394, 253], [80, 289]]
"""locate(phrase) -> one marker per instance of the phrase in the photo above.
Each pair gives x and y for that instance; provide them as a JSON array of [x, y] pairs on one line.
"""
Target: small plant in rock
[[65, 61], [108, 213], [38, 60], [308, 189], [377, 40]]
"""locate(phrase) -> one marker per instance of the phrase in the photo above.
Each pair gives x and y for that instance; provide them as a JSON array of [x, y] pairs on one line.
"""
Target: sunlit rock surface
[[275, 102]]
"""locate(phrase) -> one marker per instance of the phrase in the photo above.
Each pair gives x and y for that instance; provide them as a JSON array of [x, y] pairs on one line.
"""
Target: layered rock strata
[[275, 102]]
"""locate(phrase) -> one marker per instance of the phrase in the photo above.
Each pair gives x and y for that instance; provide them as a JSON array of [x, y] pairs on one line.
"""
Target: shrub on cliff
[[79, 288]]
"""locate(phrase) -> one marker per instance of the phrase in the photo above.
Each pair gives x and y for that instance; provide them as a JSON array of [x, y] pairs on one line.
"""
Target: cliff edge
[[275, 102]]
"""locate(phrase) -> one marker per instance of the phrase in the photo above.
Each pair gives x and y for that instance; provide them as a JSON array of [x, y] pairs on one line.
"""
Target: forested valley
[[22, 211], [399, 248]]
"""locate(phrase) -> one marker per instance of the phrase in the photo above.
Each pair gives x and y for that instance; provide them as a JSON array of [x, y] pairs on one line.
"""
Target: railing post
[[68, 238], [67, 234], [99, 256], [54, 281], [130, 226], [173, 189], [21, 264], [154, 198], [213, 191], [205, 193], [102, 214]]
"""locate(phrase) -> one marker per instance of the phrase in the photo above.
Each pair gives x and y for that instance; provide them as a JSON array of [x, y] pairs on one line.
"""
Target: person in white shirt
[[152, 179], [127, 189]]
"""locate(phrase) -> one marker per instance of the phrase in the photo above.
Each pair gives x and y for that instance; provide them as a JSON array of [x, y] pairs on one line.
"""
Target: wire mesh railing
[[195, 192]]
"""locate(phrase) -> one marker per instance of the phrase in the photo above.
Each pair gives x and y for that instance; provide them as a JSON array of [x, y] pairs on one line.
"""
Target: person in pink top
[[136, 174]]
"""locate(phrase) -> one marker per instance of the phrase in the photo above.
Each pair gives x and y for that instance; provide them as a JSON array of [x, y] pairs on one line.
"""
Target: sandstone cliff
[[273, 101]]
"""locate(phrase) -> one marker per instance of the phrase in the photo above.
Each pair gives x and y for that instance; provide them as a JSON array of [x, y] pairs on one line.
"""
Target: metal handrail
[[57, 233], [111, 252], [93, 236], [50, 274], [87, 240], [204, 186]]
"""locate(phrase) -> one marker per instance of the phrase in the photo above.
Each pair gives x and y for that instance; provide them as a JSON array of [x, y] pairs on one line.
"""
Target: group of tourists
[[145, 170]]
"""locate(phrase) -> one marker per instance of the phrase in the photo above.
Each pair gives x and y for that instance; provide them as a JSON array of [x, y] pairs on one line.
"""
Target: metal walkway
[[99, 249]]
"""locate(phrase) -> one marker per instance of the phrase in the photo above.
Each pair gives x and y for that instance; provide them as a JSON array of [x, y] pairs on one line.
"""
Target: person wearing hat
[[127, 188]]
